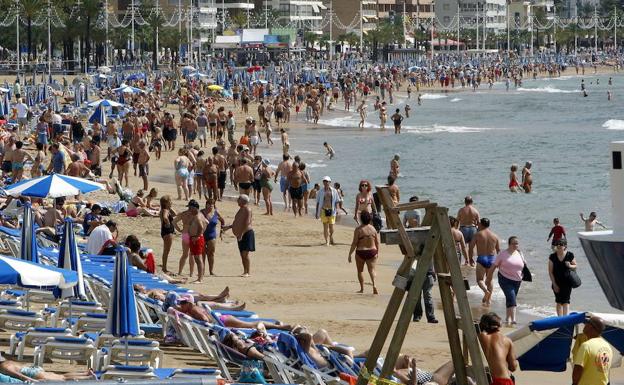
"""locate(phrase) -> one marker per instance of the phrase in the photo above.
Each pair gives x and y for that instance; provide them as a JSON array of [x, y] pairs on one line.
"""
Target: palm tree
[[324, 42], [239, 19], [89, 10], [352, 39], [30, 9], [310, 38]]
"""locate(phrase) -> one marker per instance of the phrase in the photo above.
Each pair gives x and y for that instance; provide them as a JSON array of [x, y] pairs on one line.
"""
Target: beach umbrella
[[105, 103], [32, 275], [128, 90], [545, 344], [69, 259], [121, 98], [104, 69], [99, 115], [215, 87], [52, 186], [123, 318], [28, 241]]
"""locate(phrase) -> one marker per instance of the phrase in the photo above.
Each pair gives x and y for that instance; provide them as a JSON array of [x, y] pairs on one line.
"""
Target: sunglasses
[[364, 185]]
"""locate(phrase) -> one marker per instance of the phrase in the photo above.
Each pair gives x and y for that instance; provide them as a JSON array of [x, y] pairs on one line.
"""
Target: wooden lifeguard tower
[[431, 243]]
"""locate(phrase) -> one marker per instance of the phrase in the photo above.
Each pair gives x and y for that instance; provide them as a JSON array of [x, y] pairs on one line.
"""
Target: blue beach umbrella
[[69, 259], [32, 275], [99, 115], [28, 241], [52, 186], [123, 318]]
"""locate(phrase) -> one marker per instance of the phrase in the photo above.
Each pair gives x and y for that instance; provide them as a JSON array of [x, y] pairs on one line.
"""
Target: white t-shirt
[[98, 238], [22, 110], [56, 119]]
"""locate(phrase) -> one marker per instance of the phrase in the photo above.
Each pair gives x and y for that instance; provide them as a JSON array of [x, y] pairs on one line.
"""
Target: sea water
[[459, 144]]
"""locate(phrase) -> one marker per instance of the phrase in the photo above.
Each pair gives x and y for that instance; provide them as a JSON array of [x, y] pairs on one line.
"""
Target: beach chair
[[126, 372], [72, 349], [139, 351], [225, 355], [207, 374], [281, 372], [89, 322], [20, 320], [78, 308], [33, 338], [10, 305]]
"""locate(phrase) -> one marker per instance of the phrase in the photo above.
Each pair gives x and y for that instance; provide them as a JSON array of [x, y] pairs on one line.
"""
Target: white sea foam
[[316, 165], [346, 121], [436, 128], [455, 100], [613, 124], [307, 152], [432, 96], [548, 89]]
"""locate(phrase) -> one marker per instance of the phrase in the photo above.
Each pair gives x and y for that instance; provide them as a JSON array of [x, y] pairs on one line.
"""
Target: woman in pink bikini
[[363, 200], [366, 246]]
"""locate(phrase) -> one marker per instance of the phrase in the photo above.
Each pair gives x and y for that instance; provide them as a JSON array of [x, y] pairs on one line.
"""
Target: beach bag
[[526, 273], [251, 372], [573, 279], [377, 223]]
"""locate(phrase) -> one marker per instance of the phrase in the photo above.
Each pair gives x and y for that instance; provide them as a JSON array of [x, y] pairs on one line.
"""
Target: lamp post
[[49, 41], [507, 4], [361, 27], [477, 40], [458, 24], [17, 38]]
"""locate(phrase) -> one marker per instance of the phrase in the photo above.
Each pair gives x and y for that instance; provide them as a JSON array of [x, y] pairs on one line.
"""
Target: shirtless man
[[284, 168], [460, 242], [243, 231], [127, 129], [362, 111], [197, 225], [393, 189], [19, 157], [487, 249], [295, 188], [468, 218], [213, 117], [54, 215], [254, 137], [285, 142], [143, 160], [219, 160], [77, 167], [190, 125], [395, 166], [7, 159], [200, 164], [94, 154], [498, 350], [211, 179], [244, 177]]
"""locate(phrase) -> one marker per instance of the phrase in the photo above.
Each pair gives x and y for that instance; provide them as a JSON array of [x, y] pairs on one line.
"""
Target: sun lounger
[[33, 338], [137, 351], [65, 348], [126, 372], [78, 308], [10, 305], [89, 322], [20, 320]]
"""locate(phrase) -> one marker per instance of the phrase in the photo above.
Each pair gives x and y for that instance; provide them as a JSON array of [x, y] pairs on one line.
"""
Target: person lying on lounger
[[309, 342], [216, 302], [186, 306], [248, 347], [15, 372]]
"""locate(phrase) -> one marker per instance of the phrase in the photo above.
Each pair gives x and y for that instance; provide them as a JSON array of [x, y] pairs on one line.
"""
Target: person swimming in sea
[[527, 178], [513, 179], [330, 150]]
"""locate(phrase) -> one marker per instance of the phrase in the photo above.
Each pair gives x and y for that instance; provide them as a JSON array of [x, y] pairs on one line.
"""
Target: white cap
[[244, 197], [326, 179]]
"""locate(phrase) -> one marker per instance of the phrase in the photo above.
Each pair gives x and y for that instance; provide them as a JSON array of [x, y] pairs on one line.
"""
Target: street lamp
[[528, 5]]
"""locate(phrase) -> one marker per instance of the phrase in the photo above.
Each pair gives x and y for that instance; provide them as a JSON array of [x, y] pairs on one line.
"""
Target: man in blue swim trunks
[[468, 218], [282, 171], [487, 248], [12, 372]]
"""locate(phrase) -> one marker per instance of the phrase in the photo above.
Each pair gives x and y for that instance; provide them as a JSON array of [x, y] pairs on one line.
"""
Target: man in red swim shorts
[[197, 225], [498, 350]]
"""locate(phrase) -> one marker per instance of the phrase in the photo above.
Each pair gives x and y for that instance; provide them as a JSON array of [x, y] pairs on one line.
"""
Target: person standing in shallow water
[[527, 178]]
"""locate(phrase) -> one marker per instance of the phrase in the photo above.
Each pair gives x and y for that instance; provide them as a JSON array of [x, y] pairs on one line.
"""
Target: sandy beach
[[296, 278]]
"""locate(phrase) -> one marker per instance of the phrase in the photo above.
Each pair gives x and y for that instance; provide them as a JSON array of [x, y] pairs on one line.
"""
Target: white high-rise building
[[489, 15], [303, 14]]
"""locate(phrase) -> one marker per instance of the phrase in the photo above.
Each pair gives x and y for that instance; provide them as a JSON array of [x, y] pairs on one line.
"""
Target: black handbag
[[526, 273], [573, 279]]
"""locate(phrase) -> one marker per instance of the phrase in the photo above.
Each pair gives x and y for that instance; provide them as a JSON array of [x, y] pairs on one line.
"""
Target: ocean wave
[[436, 128], [613, 124], [307, 152], [455, 100], [432, 96], [347, 122], [316, 165], [548, 89]]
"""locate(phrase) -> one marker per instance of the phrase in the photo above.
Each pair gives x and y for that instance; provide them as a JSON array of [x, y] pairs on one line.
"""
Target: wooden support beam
[[415, 205]]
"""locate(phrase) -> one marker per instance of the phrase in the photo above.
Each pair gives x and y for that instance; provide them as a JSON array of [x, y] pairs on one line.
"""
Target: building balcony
[[369, 13], [369, 26], [235, 5]]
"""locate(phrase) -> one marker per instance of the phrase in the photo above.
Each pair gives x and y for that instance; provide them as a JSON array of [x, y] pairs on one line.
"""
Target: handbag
[[573, 279], [526, 273]]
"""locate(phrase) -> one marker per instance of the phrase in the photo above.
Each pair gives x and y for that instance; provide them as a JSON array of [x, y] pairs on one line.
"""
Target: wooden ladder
[[431, 243]]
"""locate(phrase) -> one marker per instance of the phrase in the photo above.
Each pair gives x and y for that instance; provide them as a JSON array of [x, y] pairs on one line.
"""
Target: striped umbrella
[[52, 186], [123, 318], [28, 241], [31, 275], [69, 259]]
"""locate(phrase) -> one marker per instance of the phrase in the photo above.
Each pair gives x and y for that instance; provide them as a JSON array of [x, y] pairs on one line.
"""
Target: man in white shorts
[[202, 128]]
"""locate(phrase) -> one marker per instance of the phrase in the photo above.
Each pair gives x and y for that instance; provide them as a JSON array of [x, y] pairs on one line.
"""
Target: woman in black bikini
[[167, 229], [366, 246]]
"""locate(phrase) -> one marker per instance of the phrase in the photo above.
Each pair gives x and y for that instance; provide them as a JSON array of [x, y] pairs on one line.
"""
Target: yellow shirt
[[595, 356]]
